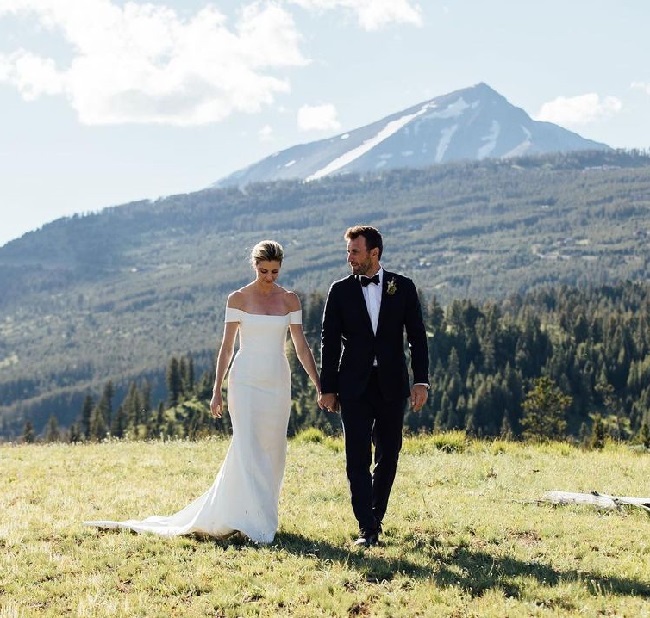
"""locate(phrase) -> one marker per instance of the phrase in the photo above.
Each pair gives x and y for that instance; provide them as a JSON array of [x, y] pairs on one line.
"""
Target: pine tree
[[312, 314], [187, 376], [119, 423], [75, 433], [598, 433], [100, 417], [105, 405], [442, 416], [28, 433], [98, 426], [645, 436], [131, 408], [145, 398], [174, 386], [158, 422], [506, 428], [182, 372], [435, 316], [86, 411], [52, 433], [545, 408]]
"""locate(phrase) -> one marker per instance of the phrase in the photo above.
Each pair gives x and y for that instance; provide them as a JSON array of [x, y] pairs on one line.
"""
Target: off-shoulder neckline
[[268, 315]]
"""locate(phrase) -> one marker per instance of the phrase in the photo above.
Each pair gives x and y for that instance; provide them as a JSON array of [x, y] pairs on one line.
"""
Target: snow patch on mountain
[[523, 147], [445, 140], [491, 139], [392, 127], [453, 110]]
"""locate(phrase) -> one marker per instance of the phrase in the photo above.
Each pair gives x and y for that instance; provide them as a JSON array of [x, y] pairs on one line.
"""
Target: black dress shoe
[[367, 538]]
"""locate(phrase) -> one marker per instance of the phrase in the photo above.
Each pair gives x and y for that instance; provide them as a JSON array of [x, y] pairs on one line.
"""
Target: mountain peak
[[473, 123]]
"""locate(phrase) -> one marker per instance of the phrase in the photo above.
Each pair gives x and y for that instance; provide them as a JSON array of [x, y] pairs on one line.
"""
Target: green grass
[[466, 535]]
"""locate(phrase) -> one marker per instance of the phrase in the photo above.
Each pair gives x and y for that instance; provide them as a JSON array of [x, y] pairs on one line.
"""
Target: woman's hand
[[216, 404], [329, 402]]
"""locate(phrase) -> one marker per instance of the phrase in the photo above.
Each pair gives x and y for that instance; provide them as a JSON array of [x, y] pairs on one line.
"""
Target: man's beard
[[360, 269]]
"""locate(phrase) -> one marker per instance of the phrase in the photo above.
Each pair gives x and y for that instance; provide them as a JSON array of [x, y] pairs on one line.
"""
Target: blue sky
[[106, 101]]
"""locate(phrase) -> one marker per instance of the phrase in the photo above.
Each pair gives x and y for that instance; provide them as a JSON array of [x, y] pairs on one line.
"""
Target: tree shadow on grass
[[475, 572]]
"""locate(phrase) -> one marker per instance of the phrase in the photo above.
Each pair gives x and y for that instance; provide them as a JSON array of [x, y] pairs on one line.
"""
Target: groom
[[364, 372]]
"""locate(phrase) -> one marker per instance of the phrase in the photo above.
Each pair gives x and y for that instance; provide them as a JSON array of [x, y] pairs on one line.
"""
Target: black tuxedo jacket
[[348, 345]]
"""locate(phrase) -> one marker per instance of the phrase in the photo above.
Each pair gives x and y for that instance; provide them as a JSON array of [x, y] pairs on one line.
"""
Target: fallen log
[[595, 498]]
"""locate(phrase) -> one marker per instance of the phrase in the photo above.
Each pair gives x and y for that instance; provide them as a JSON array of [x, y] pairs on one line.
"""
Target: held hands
[[329, 402], [419, 396], [216, 404]]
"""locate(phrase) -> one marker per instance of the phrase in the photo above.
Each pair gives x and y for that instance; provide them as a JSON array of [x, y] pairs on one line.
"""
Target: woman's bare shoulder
[[236, 299], [292, 301]]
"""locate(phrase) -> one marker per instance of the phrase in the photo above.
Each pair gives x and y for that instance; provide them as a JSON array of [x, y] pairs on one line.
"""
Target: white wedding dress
[[244, 496]]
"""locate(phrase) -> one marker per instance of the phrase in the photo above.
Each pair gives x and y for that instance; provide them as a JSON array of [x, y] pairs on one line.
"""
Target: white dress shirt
[[372, 294]]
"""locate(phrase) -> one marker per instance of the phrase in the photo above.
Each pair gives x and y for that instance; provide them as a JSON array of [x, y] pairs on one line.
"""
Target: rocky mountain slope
[[466, 125]]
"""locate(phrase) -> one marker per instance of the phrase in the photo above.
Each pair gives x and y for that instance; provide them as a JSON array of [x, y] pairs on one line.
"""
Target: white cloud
[[579, 110], [643, 86], [372, 14], [33, 76], [318, 118], [265, 134], [145, 63]]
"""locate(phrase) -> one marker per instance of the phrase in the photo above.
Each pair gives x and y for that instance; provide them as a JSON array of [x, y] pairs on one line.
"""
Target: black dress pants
[[372, 420]]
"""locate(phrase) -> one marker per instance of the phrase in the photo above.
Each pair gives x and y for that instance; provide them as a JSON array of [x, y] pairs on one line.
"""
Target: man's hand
[[419, 396], [329, 402]]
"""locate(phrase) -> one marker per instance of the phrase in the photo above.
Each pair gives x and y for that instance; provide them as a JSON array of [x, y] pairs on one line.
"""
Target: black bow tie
[[366, 281]]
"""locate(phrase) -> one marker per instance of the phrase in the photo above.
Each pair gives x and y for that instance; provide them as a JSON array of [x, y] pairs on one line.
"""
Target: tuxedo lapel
[[358, 301], [384, 306]]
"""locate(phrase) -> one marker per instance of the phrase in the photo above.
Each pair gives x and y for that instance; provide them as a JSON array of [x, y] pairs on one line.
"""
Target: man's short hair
[[371, 234]]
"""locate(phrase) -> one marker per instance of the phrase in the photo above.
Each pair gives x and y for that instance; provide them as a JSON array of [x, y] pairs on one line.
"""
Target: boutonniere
[[392, 287]]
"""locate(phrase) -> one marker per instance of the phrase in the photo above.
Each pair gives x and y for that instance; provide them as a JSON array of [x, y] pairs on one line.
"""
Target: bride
[[244, 496]]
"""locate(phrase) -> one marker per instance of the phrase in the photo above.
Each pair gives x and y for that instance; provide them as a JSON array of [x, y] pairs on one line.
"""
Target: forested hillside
[[112, 296], [592, 347]]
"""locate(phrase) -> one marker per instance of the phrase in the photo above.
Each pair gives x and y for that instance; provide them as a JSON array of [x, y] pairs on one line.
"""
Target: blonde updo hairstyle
[[267, 251]]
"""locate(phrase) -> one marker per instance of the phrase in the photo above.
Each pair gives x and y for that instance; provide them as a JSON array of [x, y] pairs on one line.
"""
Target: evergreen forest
[[556, 363]]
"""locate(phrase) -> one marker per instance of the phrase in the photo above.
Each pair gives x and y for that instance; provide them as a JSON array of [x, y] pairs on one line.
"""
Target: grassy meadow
[[466, 534]]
